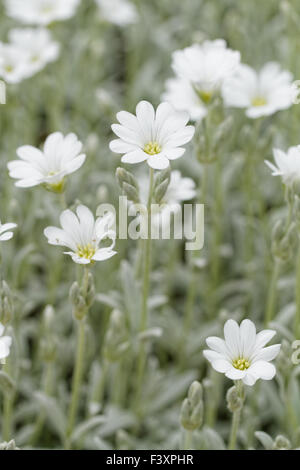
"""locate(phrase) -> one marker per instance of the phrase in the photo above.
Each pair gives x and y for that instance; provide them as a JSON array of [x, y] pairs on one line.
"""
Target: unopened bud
[[191, 414], [234, 400], [128, 184], [282, 443]]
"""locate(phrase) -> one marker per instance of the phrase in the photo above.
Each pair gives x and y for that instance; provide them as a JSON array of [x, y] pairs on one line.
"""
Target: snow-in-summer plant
[[103, 322]]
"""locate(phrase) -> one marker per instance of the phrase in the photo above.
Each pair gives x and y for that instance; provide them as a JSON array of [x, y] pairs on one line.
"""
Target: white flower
[[119, 12], [82, 234], [262, 93], [288, 165], [5, 343], [13, 68], [153, 136], [41, 12], [5, 231], [242, 356], [61, 156], [206, 66], [181, 94], [37, 48]]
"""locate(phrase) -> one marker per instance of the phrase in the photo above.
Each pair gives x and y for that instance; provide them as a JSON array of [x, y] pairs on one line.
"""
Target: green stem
[[145, 294], [76, 383], [47, 388], [7, 410], [234, 429], [272, 295], [236, 416], [188, 437]]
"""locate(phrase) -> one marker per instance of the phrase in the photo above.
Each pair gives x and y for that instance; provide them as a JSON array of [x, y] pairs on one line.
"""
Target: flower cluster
[[27, 52]]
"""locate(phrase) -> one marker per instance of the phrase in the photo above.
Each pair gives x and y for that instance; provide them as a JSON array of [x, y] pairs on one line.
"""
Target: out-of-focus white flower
[[119, 12], [156, 137], [61, 156], [206, 66], [83, 235], [5, 231], [288, 165], [13, 67], [41, 12], [181, 94], [242, 356], [37, 48], [262, 93], [5, 343]]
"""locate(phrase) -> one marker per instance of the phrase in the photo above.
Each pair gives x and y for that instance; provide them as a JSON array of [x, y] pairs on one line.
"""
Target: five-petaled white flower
[[262, 93], [5, 231], [181, 94], [36, 46], [242, 356], [288, 165], [83, 235], [153, 136], [41, 12], [206, 66], [119, 12], [5, 343], [61, 156]]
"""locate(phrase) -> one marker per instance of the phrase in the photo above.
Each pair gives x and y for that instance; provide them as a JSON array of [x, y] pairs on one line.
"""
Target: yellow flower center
[[86, 251], [241, 363], [152, 148], [205, 96], [259, 101], [9, 68]]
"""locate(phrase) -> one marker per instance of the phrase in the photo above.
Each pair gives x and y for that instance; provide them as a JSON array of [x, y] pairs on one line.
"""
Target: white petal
[[103, 254], [267, 354], [247, 338], [212, 355], [217, 344], [262, 370], [158, 162], [136, 156], [119, 146], [221, 365], [263, 337], [232, 338], [5, 343], [235, 374], [6, 236]]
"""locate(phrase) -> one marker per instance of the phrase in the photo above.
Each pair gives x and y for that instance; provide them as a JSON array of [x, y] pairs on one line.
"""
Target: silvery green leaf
[[87, 426], [264, 439]]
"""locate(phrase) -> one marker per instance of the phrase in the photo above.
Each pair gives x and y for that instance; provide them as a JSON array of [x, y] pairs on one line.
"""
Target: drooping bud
[[234, 400], [191, 415], [128, 184]]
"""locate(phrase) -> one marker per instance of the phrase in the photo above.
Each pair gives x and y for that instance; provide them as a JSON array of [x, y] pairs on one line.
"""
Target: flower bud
[[128, 184], [191, 414], [234, 400], [78, 302], [282, 443], [283, 241]]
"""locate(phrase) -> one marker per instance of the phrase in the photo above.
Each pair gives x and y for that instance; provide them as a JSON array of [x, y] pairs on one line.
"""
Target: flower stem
[[7, 410], [234, 429], [236, 416], [188, 435], [48, 381], [76, 383], [272, 293], [145, 292]]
